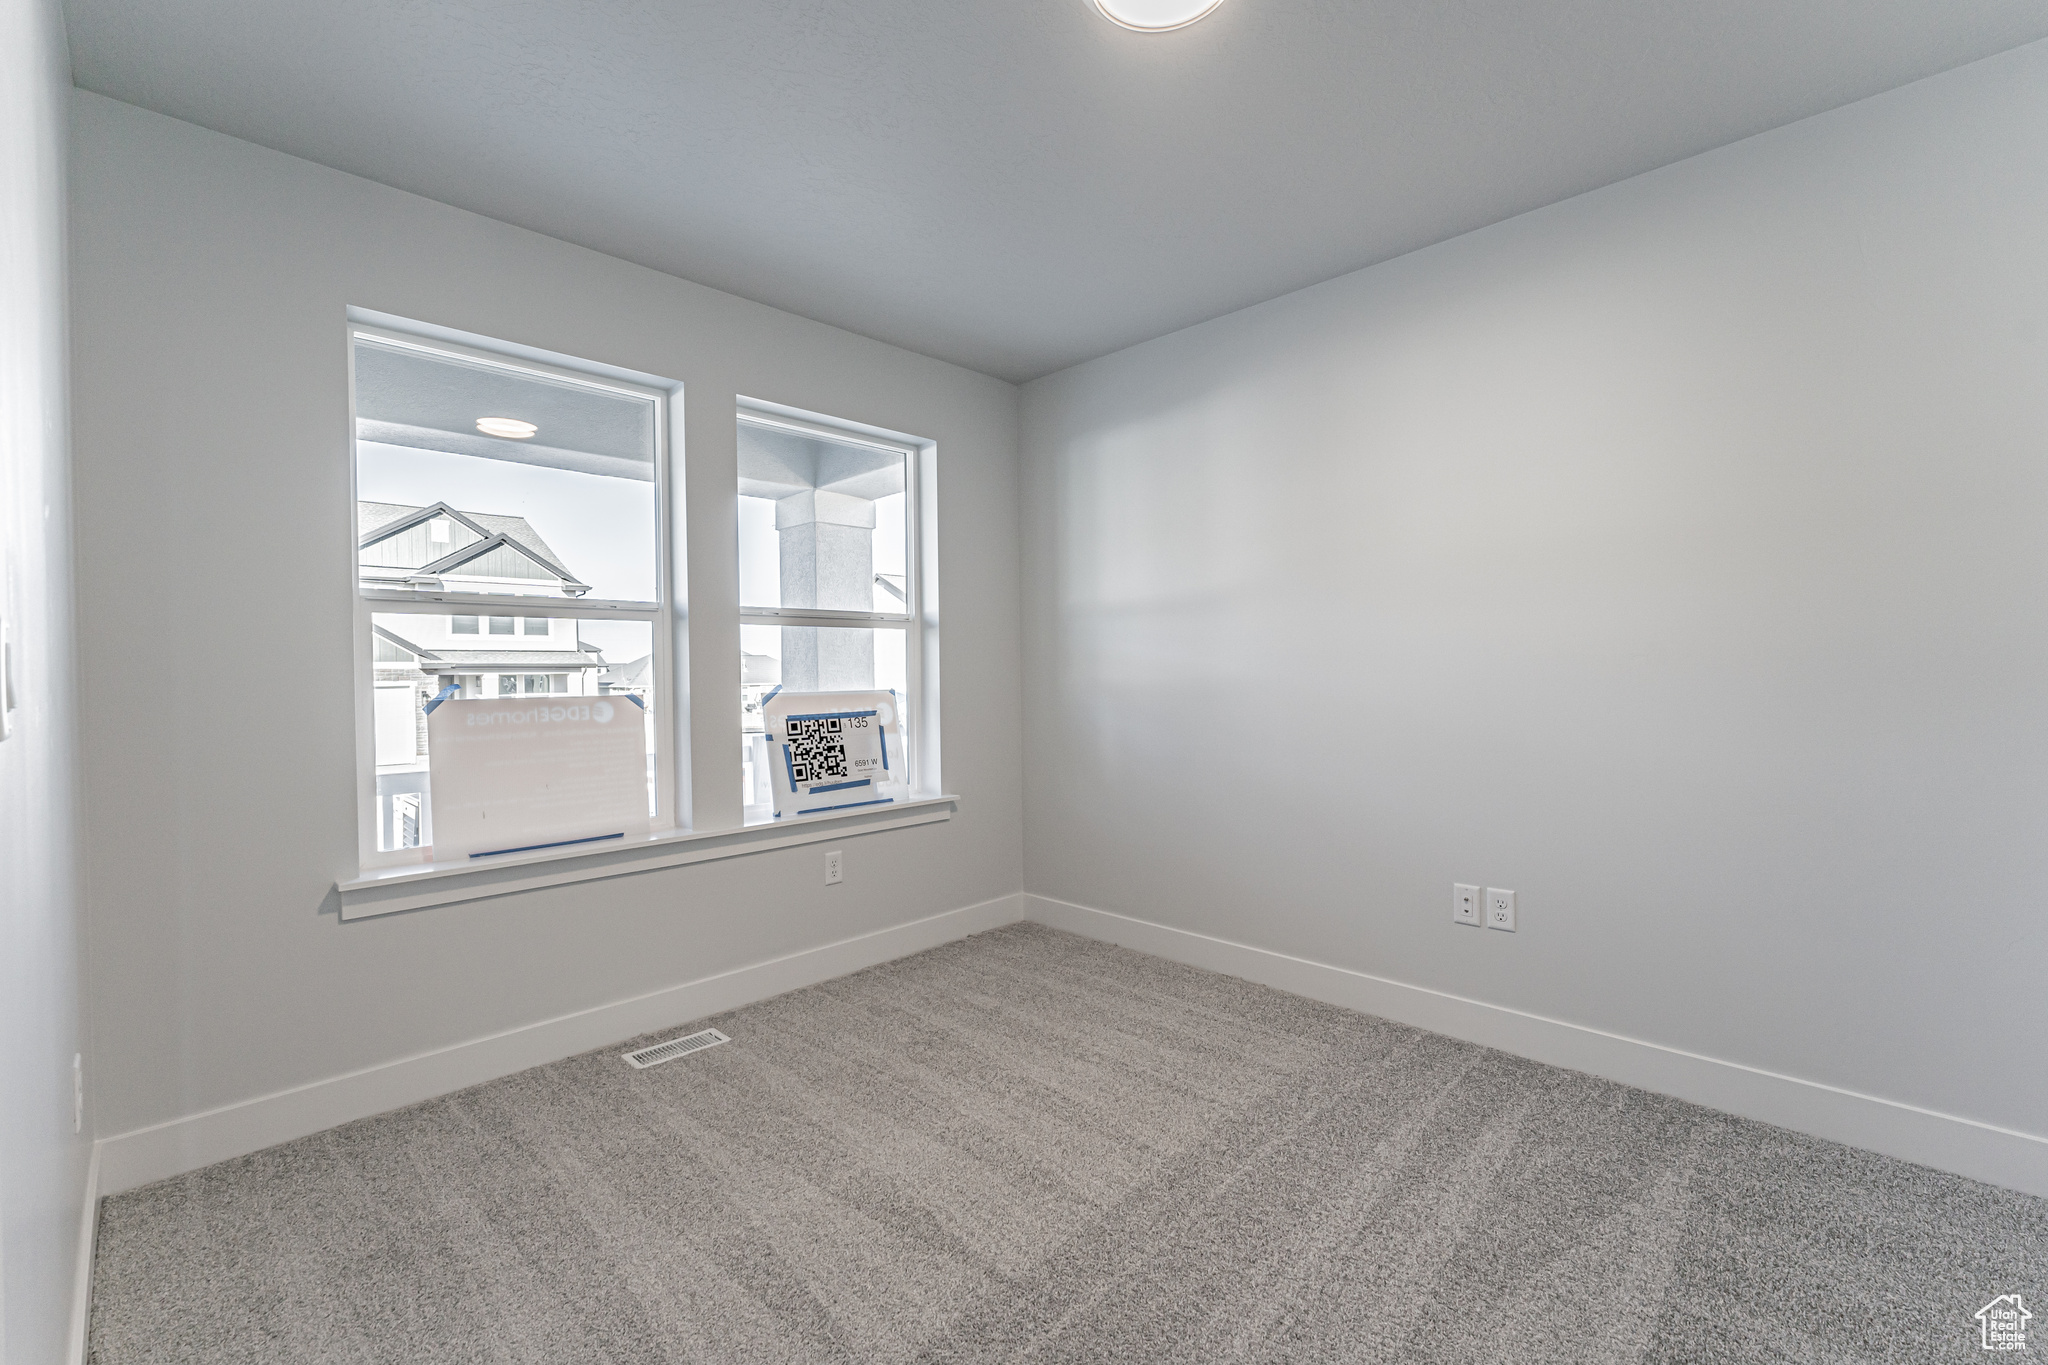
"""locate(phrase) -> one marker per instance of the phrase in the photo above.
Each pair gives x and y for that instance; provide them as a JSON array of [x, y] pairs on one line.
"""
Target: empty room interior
[[1023, 681]]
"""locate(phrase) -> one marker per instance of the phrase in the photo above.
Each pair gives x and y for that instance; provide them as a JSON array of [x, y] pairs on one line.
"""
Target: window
[[454, 523], [829, 585]]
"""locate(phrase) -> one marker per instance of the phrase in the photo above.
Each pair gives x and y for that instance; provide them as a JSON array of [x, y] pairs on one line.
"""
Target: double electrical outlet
[[1491, 907]]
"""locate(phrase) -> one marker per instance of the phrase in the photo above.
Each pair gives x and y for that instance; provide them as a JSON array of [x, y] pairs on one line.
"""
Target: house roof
[[374, 516], [632, 673], [470, 554], [378, 521], [479, 660]]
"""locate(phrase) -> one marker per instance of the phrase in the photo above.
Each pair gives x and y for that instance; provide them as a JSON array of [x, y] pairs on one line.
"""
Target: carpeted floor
[[1033, 1147]]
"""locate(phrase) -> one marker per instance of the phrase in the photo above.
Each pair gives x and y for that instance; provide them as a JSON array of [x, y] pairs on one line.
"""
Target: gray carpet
[[1032, 1147]]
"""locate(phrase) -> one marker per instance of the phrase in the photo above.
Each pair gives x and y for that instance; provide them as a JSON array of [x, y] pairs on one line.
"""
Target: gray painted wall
[[42, 1164], [214, 600], [1675, 556]]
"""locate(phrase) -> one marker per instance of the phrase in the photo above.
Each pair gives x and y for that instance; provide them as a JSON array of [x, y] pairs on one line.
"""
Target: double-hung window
[[831, 592], [511, 544]]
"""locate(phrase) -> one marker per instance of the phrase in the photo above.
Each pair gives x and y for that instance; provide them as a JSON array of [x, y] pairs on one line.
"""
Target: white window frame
[[671, 766], [919, 736]]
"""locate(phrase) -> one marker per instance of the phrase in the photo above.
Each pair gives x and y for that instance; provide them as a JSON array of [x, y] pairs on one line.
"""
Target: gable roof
[[381, 521], [483, 549]]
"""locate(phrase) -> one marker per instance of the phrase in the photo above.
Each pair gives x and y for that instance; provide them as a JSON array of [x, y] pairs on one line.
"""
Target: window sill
[[389, 890]]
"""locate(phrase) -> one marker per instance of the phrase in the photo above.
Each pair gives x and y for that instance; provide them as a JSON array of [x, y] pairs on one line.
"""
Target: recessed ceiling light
[[1155, 16], [511, 428]]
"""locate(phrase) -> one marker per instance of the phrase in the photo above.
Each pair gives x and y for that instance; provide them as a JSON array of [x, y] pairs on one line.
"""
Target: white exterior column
[[828, 560]]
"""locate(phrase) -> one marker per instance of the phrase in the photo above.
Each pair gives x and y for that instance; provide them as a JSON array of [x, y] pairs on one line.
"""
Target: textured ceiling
[[1015, 186]]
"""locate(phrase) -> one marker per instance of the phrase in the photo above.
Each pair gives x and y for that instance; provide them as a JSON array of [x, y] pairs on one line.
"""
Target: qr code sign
[[817, 749]]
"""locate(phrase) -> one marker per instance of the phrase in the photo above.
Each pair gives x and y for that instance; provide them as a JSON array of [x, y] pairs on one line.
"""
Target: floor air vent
[[676, 1047]]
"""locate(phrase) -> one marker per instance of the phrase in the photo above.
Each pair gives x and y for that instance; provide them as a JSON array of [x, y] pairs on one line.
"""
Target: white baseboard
[[2001, 1156], [128, 1160], [1982, 1151], [81, 1275]]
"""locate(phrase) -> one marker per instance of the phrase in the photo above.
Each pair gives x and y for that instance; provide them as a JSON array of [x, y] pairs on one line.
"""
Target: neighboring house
[[632, 678], [416, 656], [759, 674], [435, 547], [760, 678]]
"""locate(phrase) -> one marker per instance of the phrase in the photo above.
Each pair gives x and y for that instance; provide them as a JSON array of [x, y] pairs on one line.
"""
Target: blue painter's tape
[[769, 695], [883, 731], [789, 767], [842, 786], [635, 700], [885, 801], [560, 843], [444, 694]]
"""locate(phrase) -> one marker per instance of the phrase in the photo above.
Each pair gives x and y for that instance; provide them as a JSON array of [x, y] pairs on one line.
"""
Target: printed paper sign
[[832, 750], [512, 774]]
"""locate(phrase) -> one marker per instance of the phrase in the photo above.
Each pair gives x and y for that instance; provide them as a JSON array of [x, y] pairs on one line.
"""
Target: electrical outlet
[[835, 867], [1465, 901], [1500, 909], [77, 1093]]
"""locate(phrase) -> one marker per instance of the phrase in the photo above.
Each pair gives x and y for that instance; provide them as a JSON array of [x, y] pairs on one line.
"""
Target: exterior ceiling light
[[511, 428], [1155, 16]]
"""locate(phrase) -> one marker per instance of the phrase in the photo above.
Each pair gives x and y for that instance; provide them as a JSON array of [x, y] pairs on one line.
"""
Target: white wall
[[214, 599], [1676, 556], [42, 1165]]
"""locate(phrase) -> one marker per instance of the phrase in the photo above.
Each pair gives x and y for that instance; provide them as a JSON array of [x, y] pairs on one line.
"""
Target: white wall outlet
[[77, 1093], [835, 867], [1465, 902], [1500, 909]]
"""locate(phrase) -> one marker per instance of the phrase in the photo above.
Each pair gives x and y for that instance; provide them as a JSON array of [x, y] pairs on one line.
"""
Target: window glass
[[493, 496], [807, 659], [486, 478], [821, 522], [420, 656], [892, 581]]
